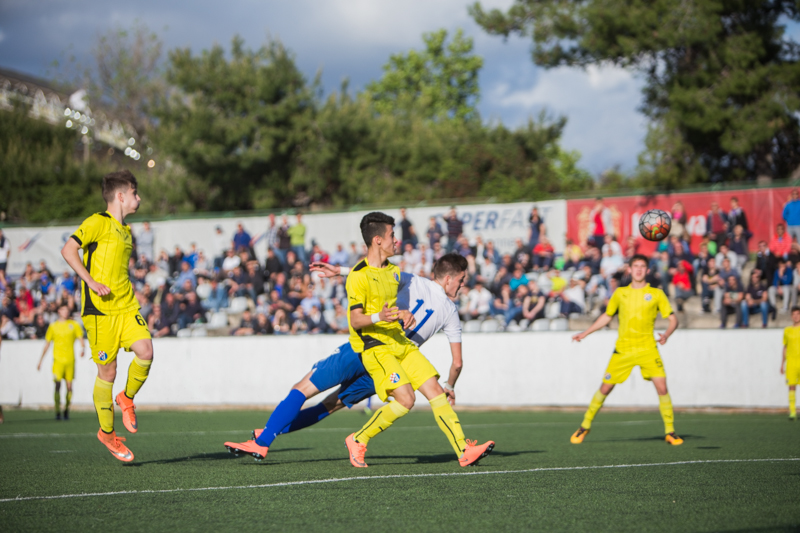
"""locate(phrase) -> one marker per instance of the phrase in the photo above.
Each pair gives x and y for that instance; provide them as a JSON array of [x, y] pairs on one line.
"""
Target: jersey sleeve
[[613, 304], [663, 304], [357, 287], [452, 328], [89, 231], [48, 336]]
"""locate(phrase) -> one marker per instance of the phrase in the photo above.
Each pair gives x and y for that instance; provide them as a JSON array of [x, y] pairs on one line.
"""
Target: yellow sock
[[57, 398], [594, 407], [381, 420], [792, 403], [137, 374], [665, 406], [103, 404], [448, 423], [69, 400]]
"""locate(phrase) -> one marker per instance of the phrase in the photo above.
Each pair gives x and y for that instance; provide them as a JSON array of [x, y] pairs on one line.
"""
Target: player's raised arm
[[326, 270], [70, 254], [601, 322]]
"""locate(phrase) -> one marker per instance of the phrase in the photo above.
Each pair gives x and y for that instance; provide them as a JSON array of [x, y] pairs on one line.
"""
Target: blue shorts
[[343, 367]]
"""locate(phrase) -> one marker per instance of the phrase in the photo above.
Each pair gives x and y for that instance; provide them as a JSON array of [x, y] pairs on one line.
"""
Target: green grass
[[176, 451]]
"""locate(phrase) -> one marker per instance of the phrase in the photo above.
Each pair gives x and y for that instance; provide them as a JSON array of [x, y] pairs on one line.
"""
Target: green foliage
[[721, 78], [438, 82], [40, 178], [235, 123]]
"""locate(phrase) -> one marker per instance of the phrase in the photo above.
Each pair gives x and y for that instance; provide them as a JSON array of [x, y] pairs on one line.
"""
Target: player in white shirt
[[431, 305]]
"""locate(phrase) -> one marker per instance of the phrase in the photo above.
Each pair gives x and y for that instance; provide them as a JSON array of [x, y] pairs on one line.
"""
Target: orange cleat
[[128, 412], [474, 453], [357, 451], [579, 435], [257, 433], [673, 439], [115, 446], [250, 447]]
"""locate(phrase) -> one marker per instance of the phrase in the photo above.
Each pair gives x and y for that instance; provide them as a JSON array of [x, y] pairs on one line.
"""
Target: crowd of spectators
[[232, 291]]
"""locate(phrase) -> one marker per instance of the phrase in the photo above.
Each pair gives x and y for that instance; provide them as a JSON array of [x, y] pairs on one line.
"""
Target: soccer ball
[[655, 225]]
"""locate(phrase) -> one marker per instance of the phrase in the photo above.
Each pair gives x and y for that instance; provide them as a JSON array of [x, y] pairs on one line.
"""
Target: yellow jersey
[[791, 339], [107, 247], [637, 309], [369, 288], [63, 334]]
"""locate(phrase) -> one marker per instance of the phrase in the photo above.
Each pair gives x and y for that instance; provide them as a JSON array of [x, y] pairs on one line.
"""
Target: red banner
[[763, 208]]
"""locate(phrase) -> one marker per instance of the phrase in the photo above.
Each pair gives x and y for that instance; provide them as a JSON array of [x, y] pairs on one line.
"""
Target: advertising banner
[[763, 208]]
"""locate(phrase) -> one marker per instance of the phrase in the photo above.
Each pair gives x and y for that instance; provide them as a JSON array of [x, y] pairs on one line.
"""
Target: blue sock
[[307, 417], [281, 417]]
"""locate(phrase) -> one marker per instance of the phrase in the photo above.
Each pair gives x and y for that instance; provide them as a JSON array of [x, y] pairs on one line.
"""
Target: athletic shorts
[[621, 364], [793, 373], [392, 366], [3, 266], [63, 370], [108, 333], [342, 366]]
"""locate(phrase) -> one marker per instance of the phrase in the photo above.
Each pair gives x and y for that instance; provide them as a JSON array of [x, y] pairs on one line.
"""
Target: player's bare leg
[[594, 406], [467, 451], [665, 406]]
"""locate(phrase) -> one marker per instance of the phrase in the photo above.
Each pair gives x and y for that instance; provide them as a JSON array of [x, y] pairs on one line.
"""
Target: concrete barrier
[[735, 368]]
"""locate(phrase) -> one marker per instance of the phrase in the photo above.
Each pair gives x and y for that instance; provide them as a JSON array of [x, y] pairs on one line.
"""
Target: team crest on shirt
[[648, 297], [397, 277], [102, 355], [394, 377]]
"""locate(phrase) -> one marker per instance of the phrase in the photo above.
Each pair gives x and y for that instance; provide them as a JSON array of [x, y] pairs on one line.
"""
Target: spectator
[[284, 241], [717, 224], [766, 261], [186, 274], [5, 254], [271, 236], [479, 302], [247, 326], [610, 264], [738, 244], [170, 308], [731, 301], [191, 311], [412, 257], [682, 282], [407, 233], [8, 329], [733, 259], [175, 261], [280, 323], [240, 284], [755, 300], [679, 221], [737, 216], [340, 256], [610, 242], [455, 228], [231, 262], [712, 286], [220, 246], [263, 325], [518, 278], [791, 215], [536, 228], [297, 234], [573, 255], [66, 283], [316, 321], [533, 304], [491, 253], [192, 255], [434, 232], [573, 298], [782, 285], [202, 266], [159, 325], [273, 265], [241, 239], [514, 310], [631, 248], [543, 255], [727, 271], [600, 223], [700, 261], [781, 244]]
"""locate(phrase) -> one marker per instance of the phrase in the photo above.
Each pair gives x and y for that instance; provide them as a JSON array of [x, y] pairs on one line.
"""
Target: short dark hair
[[795, 308], [639, 257], [116, 181], [451, 264], [374, 225]]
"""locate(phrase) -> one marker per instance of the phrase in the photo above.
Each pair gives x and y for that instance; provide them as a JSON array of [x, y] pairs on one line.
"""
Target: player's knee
[[405, 398], [145, 351]]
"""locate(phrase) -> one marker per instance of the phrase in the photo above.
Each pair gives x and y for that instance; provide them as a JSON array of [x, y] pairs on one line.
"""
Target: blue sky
[[349, 39]]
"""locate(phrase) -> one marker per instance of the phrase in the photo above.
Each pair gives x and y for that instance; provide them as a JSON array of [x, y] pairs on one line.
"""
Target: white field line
[[394, 476]]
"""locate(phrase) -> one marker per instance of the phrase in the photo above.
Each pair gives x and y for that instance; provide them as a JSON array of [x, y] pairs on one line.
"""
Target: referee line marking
[[393, 476]]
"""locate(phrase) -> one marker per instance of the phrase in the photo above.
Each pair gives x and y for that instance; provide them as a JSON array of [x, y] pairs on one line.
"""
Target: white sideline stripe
[[394, 476]]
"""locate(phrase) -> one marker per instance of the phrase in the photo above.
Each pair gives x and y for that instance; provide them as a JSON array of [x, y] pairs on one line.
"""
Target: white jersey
[[431, 308]]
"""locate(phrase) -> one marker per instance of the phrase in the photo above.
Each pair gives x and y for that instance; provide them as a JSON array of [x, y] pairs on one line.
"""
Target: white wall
[[704, 368]]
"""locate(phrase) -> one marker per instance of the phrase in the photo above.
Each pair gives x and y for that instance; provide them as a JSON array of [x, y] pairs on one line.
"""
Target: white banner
[[501, 223]]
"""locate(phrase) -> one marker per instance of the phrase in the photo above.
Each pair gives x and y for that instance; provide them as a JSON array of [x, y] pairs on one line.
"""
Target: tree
[[236, 123], [438, 82], [721, 77]]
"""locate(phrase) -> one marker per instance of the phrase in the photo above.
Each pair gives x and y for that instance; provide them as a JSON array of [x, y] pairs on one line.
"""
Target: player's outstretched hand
[[39, 367], [451, 396], [324, 269], [662, 339], [99, 289], [782, 370], [578, 337], [408, 318]]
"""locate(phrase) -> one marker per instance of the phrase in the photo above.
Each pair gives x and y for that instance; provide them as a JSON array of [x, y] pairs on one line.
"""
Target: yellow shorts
[[63, 370], [107, 334], [391, 366], [793, 373], [621, 364]]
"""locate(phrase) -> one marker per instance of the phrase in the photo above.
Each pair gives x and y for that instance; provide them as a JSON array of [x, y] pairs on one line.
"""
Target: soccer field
[[734, 472]]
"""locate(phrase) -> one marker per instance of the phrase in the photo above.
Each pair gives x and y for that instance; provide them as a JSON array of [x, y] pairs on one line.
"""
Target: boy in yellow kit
[[638, 305], [396, 365], [63, 333], [108, 306], [790, 365]]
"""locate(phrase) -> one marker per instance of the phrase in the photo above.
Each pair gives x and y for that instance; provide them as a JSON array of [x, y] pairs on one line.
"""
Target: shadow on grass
[[709, 447], [649, 439], [217, 456]]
